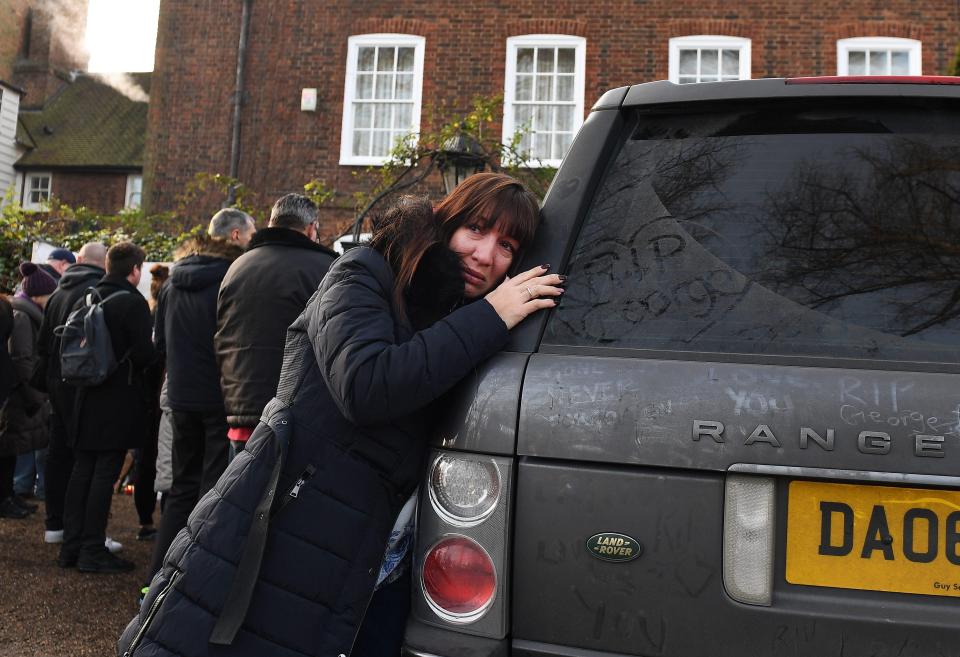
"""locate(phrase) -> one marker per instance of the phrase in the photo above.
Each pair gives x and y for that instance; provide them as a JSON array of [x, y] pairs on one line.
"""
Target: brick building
[[84, 147], [63, 133], [379, 65]]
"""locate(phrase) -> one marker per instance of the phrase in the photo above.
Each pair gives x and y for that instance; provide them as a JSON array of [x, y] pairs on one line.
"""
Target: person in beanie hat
[[23, 422], [36, 283], [31, 464]]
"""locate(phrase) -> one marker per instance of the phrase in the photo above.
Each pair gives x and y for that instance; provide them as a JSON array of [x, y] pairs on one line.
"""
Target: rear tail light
[[464, 490], [459, 579], [748, 538], [463, 537]]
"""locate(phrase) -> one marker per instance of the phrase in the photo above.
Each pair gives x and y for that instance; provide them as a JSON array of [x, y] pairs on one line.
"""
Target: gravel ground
[[46, 611]]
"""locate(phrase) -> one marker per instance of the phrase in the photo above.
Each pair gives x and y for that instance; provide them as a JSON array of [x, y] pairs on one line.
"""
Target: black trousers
[[144, 497], [57, 474], [7, 465], [199, 456], [381, 632], [89, 495]]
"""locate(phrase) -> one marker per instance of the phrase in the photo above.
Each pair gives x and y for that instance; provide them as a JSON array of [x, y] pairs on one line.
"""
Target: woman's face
[[485, 254]]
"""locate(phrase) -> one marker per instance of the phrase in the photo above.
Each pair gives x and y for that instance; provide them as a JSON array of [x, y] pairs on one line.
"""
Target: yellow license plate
[[874, 538]]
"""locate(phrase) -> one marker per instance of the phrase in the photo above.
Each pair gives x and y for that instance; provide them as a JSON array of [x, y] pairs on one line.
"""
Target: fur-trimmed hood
[[202, 261], [279, 236], [204, 245]]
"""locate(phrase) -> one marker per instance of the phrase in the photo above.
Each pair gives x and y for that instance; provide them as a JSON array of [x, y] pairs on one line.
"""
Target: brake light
[[459, 579], [877, 79]]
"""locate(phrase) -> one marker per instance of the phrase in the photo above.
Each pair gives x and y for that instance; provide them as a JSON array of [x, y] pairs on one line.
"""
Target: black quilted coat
[[24, 421], [290, 574]]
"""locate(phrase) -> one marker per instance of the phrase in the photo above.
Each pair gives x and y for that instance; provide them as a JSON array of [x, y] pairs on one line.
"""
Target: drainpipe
[[238, 100]]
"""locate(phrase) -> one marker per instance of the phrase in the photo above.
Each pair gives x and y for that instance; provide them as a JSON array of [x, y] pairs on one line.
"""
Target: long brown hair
[[408, 230], [158, 273]]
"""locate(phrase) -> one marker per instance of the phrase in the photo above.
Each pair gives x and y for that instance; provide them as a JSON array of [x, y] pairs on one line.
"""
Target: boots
[[10, 509]]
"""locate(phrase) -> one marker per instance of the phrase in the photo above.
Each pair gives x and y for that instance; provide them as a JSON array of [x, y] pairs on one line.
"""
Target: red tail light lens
[[459, 579]]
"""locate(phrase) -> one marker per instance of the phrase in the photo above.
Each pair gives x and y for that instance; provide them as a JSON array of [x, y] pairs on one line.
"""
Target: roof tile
[[89, 124]]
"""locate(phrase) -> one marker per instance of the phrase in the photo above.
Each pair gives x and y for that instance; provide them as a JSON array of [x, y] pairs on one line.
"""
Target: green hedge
[[73, 227]]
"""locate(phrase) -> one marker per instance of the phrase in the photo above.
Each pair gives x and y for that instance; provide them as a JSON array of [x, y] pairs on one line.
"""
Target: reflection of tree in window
[[651, 203], [882, 230]]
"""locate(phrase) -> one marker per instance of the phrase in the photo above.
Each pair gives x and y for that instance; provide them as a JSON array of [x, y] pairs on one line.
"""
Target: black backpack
[[86, 352]]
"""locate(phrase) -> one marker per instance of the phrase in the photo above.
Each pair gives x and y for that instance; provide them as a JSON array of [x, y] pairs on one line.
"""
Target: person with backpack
[[113, 403], [75, 282], [23, 422]]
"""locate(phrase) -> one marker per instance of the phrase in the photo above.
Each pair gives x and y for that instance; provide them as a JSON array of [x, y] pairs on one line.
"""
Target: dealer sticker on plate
[[875, 538]]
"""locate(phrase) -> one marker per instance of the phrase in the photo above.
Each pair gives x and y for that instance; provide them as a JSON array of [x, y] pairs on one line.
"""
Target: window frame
[[28, 189], [913, 47], [354, 43], [132, 179], [514, 43], [709, 42]]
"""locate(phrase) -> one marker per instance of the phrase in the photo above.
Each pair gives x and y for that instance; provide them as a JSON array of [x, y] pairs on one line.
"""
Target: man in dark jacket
[[88, 271], [185, 322], [264, 291], [109, 418]]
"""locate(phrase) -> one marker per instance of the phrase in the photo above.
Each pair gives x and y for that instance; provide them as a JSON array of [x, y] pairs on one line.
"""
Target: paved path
[[49, 612]]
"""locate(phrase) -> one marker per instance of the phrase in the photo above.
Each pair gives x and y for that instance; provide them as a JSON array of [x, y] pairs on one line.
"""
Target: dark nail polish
[[556, 301], [544, 266], [563, 278]]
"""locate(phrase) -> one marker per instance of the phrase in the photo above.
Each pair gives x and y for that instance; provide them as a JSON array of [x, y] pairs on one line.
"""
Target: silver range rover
[[739, 433]]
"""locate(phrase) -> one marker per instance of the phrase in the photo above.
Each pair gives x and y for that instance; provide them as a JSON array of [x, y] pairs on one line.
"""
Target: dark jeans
[[28, 477], [59, 467], [199, 455], [89, 495], [7, 465], [381, 632]]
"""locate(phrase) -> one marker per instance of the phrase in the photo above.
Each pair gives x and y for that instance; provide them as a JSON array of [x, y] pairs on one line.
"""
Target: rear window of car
[[826, 229]]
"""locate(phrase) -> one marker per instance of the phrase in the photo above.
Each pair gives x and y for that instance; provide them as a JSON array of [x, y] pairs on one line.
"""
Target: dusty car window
[[809, 231]]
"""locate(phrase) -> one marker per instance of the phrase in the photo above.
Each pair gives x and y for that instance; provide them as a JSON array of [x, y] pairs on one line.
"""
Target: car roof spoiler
[[665, 92]]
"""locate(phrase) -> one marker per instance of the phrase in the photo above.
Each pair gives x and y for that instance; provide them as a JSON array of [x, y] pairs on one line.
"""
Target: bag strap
[[112, 295], [292, 374], [248, 570]]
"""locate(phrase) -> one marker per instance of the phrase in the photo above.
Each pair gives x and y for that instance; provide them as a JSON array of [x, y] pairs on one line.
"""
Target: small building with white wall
[[10, 149]]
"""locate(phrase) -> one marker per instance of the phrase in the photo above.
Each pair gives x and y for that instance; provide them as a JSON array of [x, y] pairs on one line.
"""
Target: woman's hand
[[525, 294]]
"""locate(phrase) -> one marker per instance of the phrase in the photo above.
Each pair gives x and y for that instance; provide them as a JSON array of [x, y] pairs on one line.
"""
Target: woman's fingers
[[523, 277], [547, 279], [544, 286], [537, 291], [525, 294]]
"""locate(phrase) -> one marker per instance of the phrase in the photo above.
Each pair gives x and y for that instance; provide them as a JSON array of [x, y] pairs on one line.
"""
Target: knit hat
[[62, 254], [36, 282]]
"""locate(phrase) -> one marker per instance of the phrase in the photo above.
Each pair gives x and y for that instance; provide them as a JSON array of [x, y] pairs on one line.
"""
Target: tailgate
[[649, 450]]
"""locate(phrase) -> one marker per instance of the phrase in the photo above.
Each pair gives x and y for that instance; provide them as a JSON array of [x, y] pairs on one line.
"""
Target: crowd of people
[[163, 407], [359, 354]]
